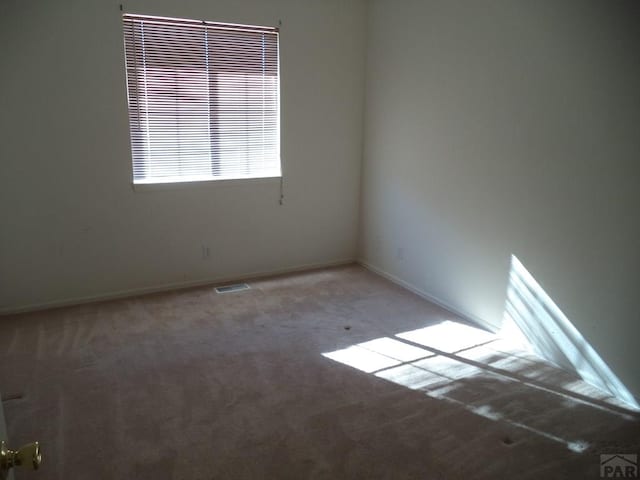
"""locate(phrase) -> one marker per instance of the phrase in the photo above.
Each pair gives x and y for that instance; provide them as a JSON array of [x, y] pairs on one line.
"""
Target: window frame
[[272, 171]]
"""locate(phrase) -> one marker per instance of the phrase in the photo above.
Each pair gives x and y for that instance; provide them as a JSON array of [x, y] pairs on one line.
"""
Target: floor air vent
[[233, 288]]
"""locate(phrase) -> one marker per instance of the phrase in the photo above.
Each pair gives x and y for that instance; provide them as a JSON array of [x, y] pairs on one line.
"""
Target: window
[[203, 100]]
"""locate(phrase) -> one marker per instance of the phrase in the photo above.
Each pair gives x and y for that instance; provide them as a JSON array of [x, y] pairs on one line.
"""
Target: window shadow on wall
[[532, 315]]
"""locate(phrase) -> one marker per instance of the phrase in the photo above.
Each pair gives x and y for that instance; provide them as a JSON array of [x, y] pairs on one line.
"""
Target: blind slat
[[203, 99]]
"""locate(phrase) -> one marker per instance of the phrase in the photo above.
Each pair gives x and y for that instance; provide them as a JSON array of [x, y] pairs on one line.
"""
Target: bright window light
[[395, 349], [362, 359], [478, 370], [203, 100], [448, 336], [413, 377], [532, 314]]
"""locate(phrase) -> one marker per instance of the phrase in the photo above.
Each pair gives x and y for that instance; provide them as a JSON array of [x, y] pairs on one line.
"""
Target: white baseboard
[[134, 292], [426, 295]]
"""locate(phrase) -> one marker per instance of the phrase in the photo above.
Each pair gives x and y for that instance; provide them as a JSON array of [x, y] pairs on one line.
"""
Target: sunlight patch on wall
[[531, 314]]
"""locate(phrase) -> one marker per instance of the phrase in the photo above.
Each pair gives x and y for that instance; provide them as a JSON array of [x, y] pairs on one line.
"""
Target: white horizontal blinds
[[244, 92], [203, 100]]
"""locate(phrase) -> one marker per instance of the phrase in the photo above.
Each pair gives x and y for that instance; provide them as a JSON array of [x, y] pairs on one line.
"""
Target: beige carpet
[[330, 374]]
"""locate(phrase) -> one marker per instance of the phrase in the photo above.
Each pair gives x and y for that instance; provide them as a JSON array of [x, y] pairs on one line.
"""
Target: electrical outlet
[[206, 252]]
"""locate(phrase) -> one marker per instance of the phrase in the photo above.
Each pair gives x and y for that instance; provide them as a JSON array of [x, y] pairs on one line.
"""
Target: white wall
[[502, 127], [70, 224]]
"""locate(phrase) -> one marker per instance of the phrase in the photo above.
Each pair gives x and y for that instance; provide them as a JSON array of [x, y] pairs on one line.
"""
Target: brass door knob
[[28, 456]]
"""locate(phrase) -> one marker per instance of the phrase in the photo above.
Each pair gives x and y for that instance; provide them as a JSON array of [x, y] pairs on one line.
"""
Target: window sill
[[154, 187]]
